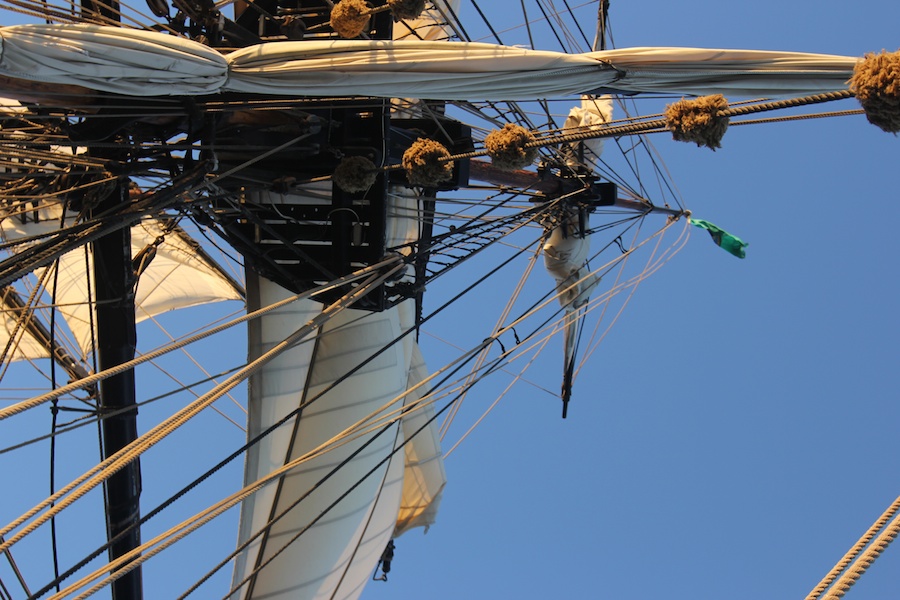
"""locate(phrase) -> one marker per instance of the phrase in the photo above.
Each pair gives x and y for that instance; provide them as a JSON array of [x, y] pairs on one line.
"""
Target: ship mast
[[115, 282]]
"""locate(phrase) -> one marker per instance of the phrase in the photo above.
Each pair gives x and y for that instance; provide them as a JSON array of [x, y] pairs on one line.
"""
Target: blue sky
[[735, 432]]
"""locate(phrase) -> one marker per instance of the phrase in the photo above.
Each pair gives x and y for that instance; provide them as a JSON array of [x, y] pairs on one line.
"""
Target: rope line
[[103, 470], [854, 551], [879, 545], [92, 379]]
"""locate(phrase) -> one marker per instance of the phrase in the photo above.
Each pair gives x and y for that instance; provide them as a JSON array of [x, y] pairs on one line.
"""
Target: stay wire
[[96, 475], [95, 417]]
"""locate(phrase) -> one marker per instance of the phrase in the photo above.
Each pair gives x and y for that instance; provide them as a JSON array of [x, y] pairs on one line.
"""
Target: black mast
[[114, 281]]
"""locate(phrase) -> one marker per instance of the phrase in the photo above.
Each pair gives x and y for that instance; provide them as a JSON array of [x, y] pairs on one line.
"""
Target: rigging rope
[[855, 571], [117, 461], [632, 283], [482, 357], [94, 378], [852, 554], [461, 361]]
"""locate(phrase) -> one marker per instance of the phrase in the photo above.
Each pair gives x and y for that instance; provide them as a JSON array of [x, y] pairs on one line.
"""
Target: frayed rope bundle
[[506, 147], [355, 174], [876, 84], [424, 165], [350, 18], [406, 9], [698, 120]]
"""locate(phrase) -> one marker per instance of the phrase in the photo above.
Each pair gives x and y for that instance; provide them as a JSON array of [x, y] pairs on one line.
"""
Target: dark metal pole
[[116, 339]]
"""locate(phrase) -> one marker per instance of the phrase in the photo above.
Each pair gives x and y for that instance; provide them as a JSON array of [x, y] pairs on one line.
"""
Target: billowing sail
[[423, 477]]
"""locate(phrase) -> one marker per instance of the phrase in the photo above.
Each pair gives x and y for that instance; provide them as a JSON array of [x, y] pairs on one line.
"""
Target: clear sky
[[736, 431]]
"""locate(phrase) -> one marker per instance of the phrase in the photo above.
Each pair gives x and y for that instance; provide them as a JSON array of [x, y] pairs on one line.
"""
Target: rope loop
[[355, 174]]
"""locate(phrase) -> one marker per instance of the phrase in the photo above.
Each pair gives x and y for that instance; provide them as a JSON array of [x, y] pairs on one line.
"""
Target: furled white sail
[[592, 113], [145, 63], [730, 72], [111, 59]]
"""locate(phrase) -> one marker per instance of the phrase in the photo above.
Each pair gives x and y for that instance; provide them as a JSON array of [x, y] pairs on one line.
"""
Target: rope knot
[[355, 174], [698, 120], [506, 147], [426, 163], [876, 84]]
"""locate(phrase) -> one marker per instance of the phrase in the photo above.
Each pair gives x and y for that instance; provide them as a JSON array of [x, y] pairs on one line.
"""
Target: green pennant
[[734, 245]]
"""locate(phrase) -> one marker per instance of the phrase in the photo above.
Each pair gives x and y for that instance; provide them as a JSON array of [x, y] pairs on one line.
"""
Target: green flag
[[732, 244]]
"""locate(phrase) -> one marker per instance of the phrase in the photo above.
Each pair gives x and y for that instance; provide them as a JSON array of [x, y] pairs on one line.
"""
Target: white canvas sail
[[176, 277], [327, 548], [339, 551]]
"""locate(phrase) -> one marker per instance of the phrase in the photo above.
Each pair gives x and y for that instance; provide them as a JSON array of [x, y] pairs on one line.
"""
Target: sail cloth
[[176, 277], [702, 71], [338, 552], [144, 63], [328, 549], [424, 477], [593, 113]]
